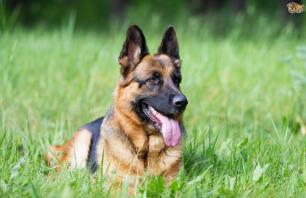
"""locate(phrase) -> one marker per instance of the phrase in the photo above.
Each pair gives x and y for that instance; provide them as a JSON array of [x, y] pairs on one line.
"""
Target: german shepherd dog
[[142, 131]]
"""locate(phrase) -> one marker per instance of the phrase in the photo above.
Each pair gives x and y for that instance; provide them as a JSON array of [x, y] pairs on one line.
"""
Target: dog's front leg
[[163, 160]]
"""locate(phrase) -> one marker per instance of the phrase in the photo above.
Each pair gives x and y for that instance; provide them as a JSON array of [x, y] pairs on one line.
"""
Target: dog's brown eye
[[155, 78]]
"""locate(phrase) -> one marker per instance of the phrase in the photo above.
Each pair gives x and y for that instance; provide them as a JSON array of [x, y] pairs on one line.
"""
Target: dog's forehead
[[163, 60], [161, 63]]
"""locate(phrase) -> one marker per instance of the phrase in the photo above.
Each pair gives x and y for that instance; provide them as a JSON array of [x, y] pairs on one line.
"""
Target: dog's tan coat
[[127, 147]]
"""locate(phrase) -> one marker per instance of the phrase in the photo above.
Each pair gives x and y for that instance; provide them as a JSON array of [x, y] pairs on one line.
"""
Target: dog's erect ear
[[133, 50], [169, 45]]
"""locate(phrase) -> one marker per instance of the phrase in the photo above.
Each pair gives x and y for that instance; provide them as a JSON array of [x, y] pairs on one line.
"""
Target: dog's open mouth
[[169, 127]]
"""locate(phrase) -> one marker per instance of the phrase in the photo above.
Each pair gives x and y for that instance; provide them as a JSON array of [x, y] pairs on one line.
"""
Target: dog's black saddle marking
[[94, 127]]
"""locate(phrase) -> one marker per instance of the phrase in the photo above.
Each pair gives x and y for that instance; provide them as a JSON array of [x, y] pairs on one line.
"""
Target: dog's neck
[[130, 127]]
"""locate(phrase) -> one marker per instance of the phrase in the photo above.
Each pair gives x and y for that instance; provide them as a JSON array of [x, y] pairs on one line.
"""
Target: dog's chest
[[119, 154]]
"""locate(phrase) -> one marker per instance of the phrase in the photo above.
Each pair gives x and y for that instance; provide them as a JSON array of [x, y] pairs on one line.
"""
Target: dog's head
[[149, 87]]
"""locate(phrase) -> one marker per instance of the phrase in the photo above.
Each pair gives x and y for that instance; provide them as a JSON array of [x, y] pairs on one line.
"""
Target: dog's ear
[[133, 50], [169, 46]]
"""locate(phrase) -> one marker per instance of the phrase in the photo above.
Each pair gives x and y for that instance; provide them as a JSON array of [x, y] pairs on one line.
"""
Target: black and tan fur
[[124, 143]]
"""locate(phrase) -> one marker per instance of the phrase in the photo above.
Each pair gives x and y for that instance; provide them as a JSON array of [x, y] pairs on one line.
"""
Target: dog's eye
[[155, 78]]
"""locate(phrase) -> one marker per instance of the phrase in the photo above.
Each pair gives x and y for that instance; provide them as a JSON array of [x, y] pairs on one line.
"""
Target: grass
[[240, 138]]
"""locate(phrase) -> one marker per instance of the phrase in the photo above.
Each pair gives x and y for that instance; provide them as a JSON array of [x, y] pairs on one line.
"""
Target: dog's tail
[[55, 155]]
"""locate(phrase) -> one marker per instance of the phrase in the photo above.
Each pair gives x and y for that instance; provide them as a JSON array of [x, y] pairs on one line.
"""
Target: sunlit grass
[[238, 143]]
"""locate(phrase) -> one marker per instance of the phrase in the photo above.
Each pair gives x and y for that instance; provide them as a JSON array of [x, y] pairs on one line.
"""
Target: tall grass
[[240, 90]]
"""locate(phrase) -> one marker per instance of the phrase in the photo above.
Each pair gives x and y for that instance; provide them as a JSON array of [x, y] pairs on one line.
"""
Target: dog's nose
[[180, 101]]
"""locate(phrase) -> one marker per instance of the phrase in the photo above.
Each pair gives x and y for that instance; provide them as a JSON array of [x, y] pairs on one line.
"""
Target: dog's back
[[80, 151]]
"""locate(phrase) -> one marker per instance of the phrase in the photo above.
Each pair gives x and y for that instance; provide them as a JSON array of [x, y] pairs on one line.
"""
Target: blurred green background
[[101, 14]]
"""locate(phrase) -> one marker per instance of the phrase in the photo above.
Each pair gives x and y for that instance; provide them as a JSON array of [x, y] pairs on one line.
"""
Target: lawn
[[242, 137]]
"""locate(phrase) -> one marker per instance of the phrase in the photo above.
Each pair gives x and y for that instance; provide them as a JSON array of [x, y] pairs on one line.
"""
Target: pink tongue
[[170, 129]]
